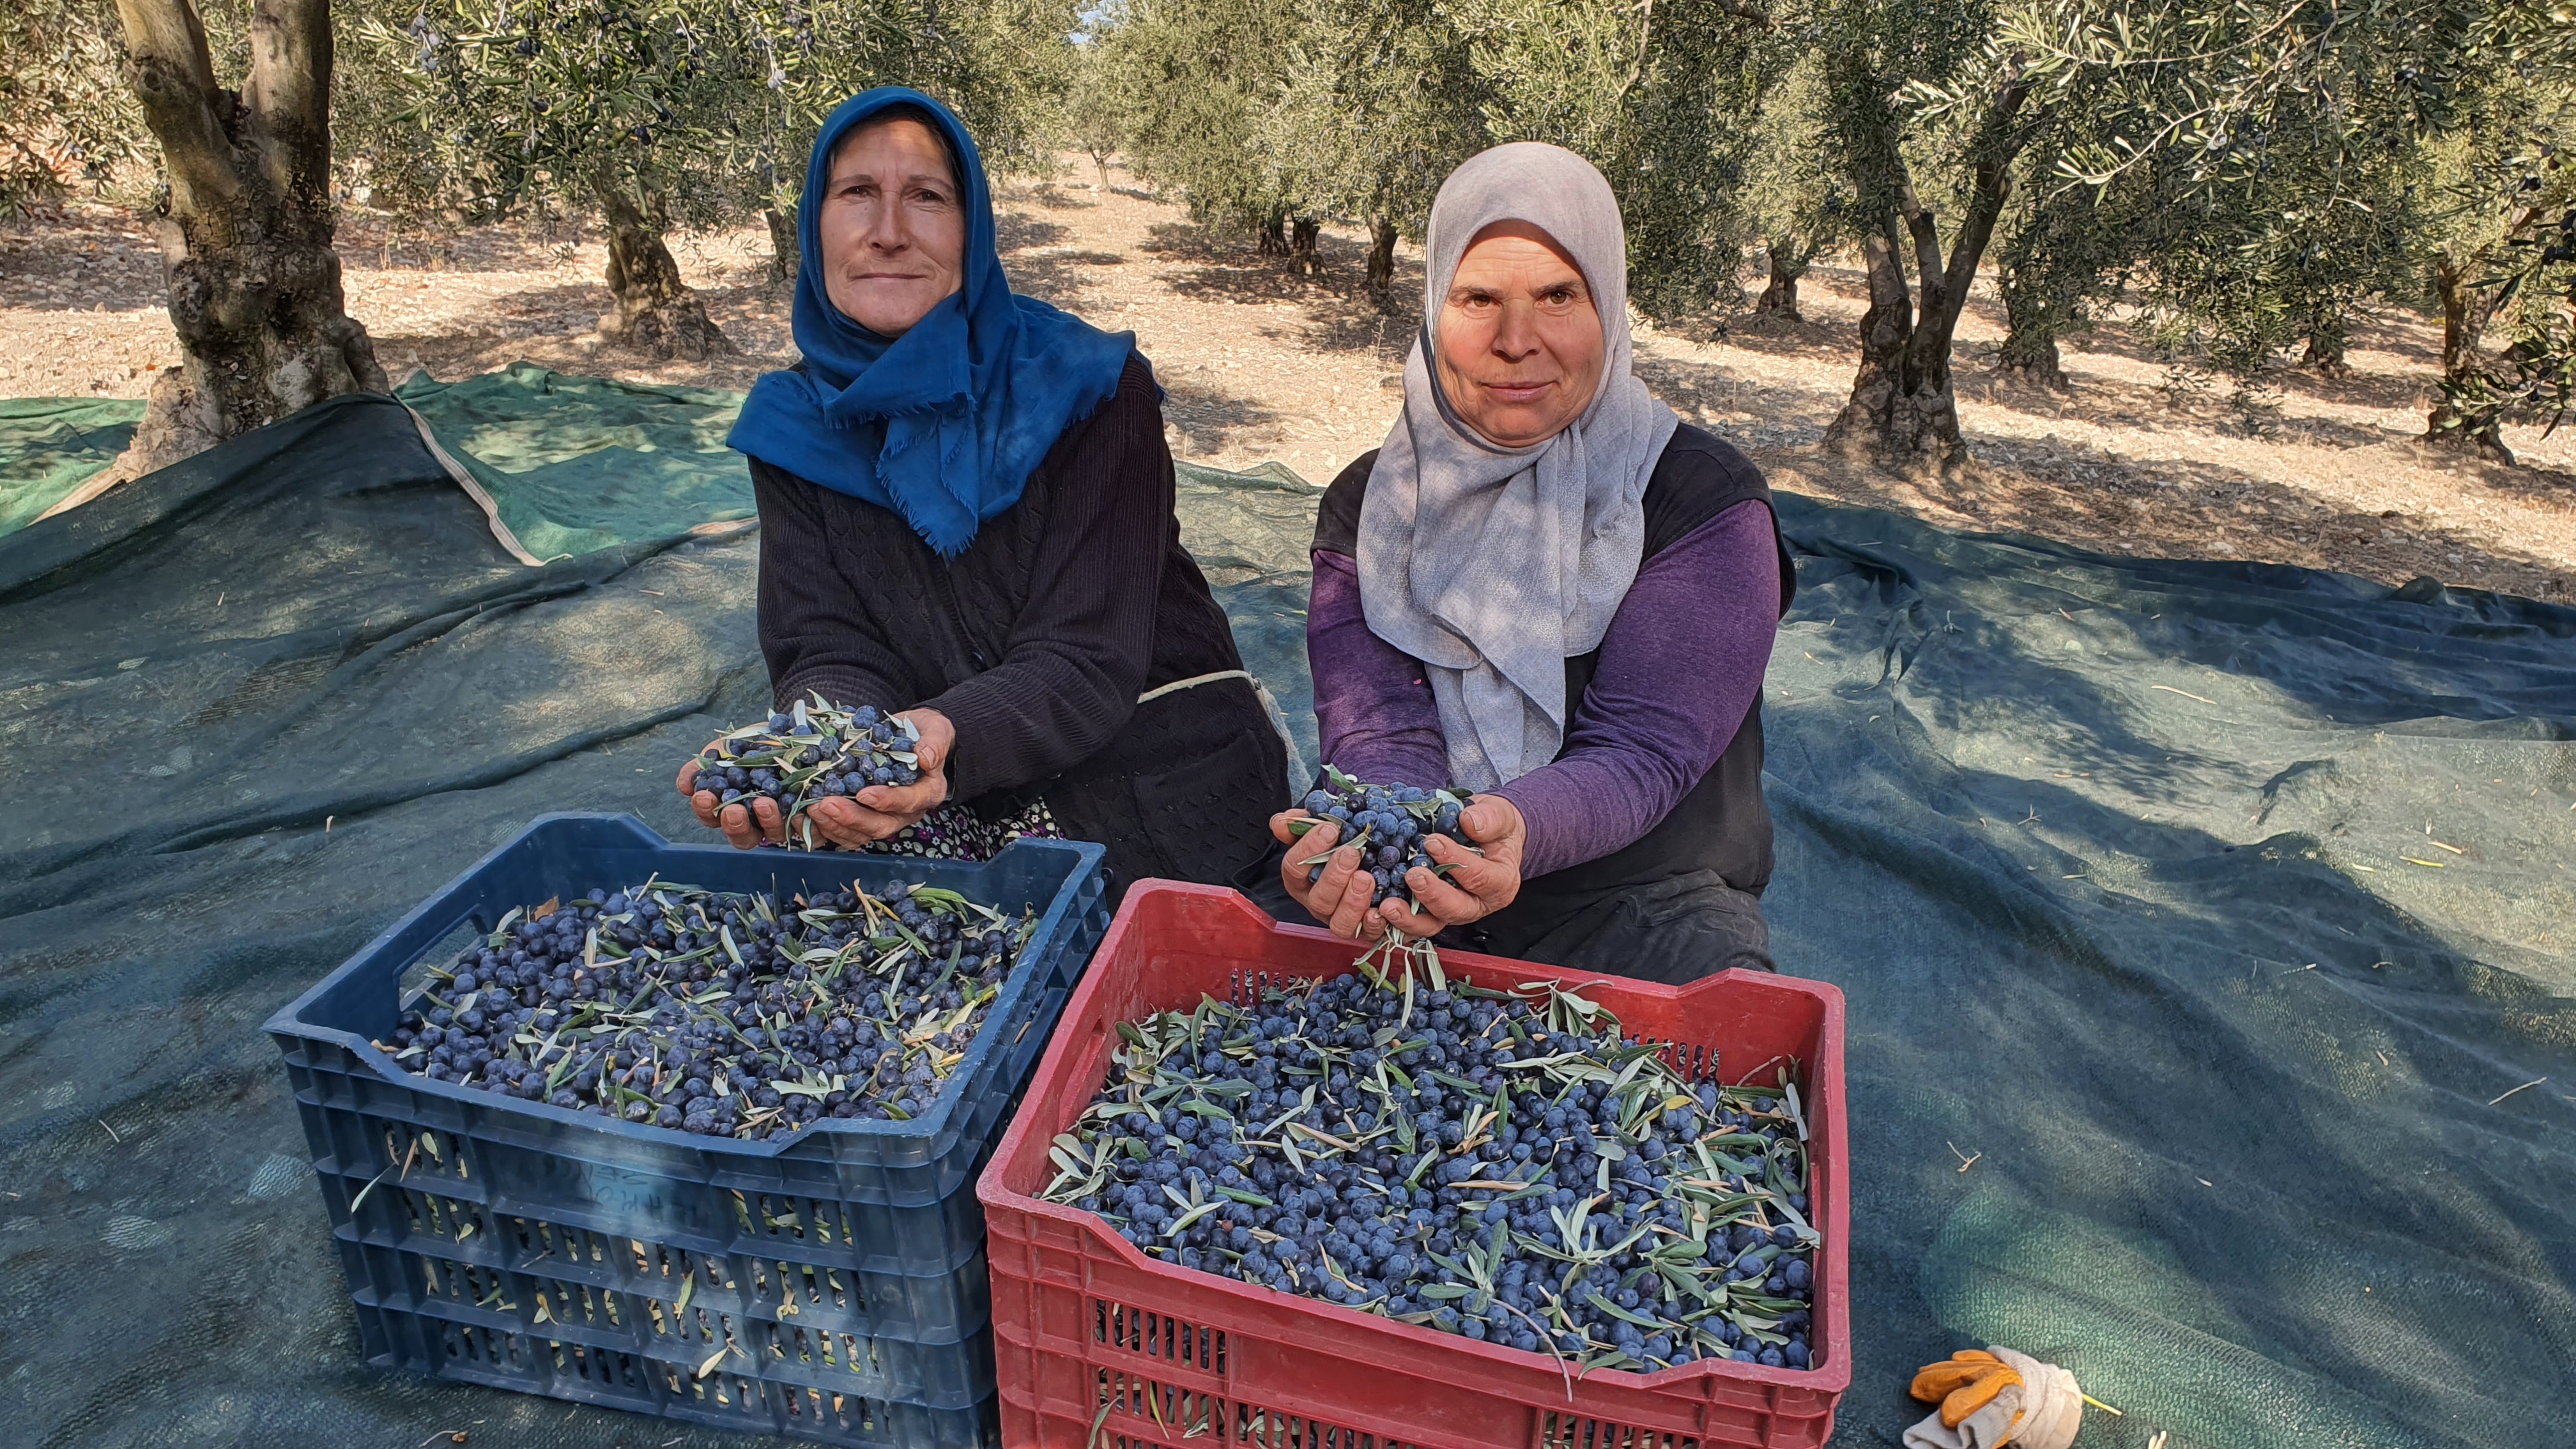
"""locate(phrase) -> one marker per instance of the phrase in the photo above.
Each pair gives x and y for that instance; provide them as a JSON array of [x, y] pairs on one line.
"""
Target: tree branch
[[1891, 237], [1986, 197], [1926, 231], [289, 90], [167, 64]]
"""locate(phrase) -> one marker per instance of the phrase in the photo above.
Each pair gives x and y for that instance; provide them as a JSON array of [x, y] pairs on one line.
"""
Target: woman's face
[[892, 225], [1518, 342]]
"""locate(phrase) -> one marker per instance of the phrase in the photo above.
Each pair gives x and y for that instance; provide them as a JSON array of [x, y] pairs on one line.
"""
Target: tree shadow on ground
[[2139, 506], [2140, 981], [80, 262], [1775, 336], [1060, 277], [1014, 232], [1766, 331], [555, 327], [2548, 487], [1751, 412], [1053, 197], [1339, 314], [368, 240], [2172, 508], [2141, 409], [2149, 410], [1207, 419], [2362, 387], [555, 311]]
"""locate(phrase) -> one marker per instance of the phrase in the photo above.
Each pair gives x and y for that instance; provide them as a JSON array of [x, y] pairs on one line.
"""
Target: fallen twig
[[2527, 1086]]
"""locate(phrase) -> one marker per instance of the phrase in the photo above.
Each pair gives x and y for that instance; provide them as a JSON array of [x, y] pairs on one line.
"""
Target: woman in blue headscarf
[[966, 516]]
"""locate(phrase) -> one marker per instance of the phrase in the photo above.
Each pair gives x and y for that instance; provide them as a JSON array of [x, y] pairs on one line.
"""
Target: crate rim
[[1834, 1378], [287, 1020]]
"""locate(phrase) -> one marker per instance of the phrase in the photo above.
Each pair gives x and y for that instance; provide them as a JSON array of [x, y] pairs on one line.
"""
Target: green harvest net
[[2212, 913]]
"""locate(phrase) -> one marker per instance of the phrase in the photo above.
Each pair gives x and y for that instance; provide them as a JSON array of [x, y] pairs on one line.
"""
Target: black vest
[[1722, 825]]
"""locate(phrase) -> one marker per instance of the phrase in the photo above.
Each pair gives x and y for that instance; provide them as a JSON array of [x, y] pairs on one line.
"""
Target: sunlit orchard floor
[[1264, 365]]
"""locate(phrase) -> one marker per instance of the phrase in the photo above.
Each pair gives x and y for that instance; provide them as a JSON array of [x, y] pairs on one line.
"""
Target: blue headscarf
[[944, 424]]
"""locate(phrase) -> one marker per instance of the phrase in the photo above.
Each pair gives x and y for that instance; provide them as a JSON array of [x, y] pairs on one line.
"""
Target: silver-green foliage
[[1381, 101], [2262, 160], [68, 122], [2505, 248], [1797, 202], [1361, 108], [1191, 83], [707, 110], [1665, 101]]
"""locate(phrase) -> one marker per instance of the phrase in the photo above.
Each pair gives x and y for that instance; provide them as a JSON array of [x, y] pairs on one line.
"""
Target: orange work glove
[[1963, 1383]]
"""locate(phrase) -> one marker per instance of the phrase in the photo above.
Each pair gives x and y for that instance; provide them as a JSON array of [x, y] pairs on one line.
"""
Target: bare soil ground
[[1264, 365]]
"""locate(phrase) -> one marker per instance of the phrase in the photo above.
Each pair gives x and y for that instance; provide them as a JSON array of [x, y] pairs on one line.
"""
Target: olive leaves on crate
[[1504, 1164]]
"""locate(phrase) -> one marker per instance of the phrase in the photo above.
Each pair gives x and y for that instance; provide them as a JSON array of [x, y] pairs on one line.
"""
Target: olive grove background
[[2235, 183]]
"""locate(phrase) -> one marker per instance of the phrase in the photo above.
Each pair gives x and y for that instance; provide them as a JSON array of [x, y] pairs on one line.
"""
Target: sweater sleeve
[[1680, 668], [1373, 709], [1079, 651], [813, 630]]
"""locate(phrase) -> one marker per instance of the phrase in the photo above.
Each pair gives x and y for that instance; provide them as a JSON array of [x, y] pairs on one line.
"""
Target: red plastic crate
[[1098, 1345]]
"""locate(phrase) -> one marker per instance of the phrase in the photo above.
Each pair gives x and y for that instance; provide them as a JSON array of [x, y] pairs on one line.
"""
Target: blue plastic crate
[[830, 1285]]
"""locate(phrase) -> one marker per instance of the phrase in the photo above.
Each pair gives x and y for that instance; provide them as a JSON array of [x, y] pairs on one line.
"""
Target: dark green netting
[[565, 466], [2114, 860], [571, 464], [580, 463], [51, 445], [1250, 532]]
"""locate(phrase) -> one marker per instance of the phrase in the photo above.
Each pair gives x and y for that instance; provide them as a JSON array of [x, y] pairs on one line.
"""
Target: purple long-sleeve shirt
[[1680, 667]]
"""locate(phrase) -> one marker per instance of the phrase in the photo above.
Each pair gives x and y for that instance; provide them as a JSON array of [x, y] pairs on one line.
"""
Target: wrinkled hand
[[1480, 886], [1340, 896], [850, 822]]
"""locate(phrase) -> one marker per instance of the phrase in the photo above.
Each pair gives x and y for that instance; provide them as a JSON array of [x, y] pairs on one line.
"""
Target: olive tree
[[66, 114], [1201, 77], [1800, 204], [2247, 274], [587, 102], [782, 66], [1380, 102], [2254, 156], [2505, 249], [1899, 76], [246, 226], [1666, 101], [663, 114]]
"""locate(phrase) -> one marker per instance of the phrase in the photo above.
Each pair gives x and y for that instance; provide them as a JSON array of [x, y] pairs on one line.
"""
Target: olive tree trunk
[[1274, 235], [2467, 307], [657, 313], [786, 256], [1789, 259], [1304, 236], [2029, 353], [2328, 339], [1381, 261], [246, 235], [1903, 409]]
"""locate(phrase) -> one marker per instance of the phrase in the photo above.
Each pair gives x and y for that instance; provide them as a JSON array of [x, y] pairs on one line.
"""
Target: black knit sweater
[[1036, 643]]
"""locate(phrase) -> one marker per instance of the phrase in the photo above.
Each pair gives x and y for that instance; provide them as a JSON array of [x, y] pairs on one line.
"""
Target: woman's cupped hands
[[1477, 882], [851, 822]]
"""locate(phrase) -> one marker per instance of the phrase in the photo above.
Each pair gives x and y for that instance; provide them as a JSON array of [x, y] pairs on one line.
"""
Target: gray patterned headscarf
[[1494, 566]]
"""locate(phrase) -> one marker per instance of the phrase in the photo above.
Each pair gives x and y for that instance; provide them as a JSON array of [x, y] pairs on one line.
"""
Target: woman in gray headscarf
[[1546, 589]]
